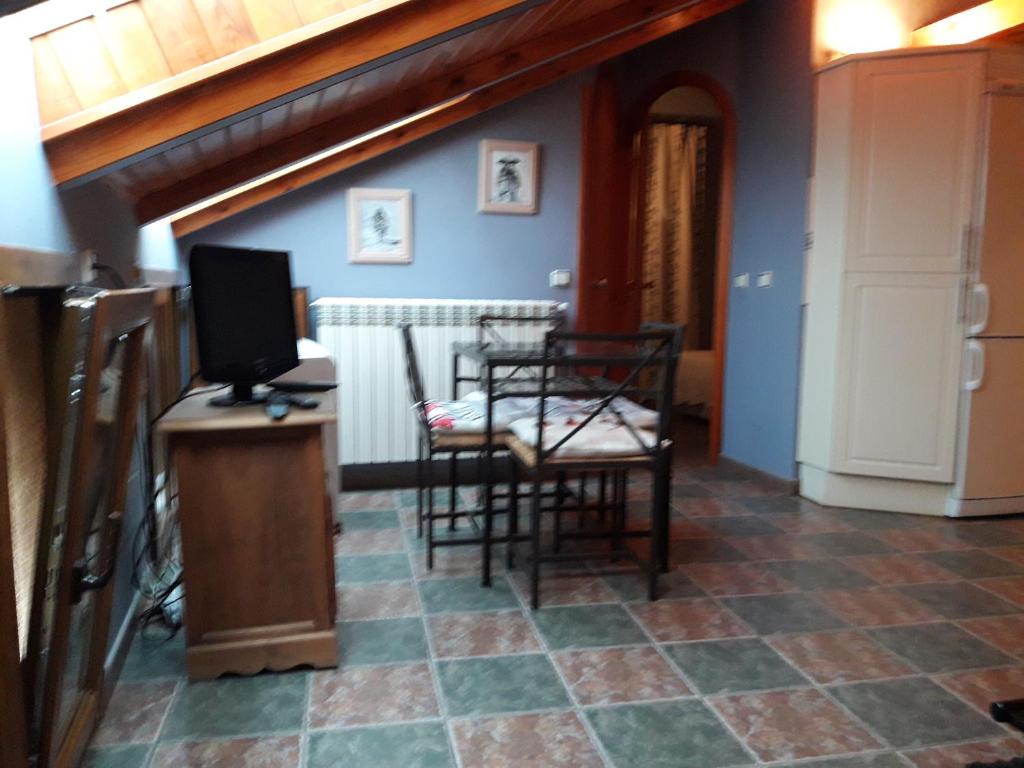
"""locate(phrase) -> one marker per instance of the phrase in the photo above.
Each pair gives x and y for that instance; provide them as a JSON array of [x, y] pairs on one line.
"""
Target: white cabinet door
[[993, 442], [898, 376], [915, 148], [998, 309]]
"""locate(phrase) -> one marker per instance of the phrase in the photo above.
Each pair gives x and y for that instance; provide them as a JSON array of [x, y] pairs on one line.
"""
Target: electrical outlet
[[741, 280], [560, 278], [765, 279]]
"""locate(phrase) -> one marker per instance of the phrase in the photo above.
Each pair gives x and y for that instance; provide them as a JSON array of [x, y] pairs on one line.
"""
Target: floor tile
[[267, 752], [870, 520], [366, 569], [632, 586], [617, 675], [377, 601], [125, 756], [454, 563], [958, 601], [772, 614], [847, 544], [772, 504], [424, 745], [135, 712], [1004, 632], [939, 647], [369, 519], [369, 541], [381, 641], [481, 634], [684, 528], [466, 594], [154, 655], [914, 712], [899, 569], [840, 657], [875, 607], [704, 551], [733, 666], [983, 533], [813, 575], [737, 578], [918, 540], [875, 760], [556, 740], [695, 619], [500, 684], [238, 707], [1013, 554], [690, 491], [1010, 588], [570, 589], [984, 686], [683, 734], [782, 547], [587, 626], [740, 526], [789, 725], [960, 755], [708, 507], [809, 521], [975, 564], [371, 695], [355, 501]]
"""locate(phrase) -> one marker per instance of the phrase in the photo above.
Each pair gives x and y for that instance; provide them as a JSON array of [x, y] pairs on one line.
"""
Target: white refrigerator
[[990, 456]]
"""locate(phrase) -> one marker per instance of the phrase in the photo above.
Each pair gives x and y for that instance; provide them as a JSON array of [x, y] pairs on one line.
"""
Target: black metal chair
[[644, 368]]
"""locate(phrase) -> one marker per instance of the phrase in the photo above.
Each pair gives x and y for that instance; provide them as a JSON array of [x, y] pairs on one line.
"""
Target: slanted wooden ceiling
[[177, 101]]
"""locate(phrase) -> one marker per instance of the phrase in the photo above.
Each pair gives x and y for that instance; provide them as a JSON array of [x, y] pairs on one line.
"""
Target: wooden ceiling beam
[[257, 78], [448, 114], [392, 107]]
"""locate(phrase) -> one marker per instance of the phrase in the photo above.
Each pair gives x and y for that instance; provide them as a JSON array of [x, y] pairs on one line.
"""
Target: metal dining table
[[516, 359]]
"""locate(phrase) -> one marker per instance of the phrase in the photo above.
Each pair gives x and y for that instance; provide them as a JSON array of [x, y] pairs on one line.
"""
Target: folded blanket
[[598, 438]]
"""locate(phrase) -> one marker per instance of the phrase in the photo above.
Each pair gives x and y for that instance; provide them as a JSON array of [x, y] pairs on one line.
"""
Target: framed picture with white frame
[[379, 226], [508, 178]]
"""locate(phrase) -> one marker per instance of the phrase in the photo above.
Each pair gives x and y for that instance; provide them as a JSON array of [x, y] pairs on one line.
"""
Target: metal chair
[[648, 359]]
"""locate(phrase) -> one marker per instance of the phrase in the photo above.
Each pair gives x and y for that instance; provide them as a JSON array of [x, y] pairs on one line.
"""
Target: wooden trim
[[448, 114], [723, 260], [392, 107], [258, 78], [37, 267], [13, 727]]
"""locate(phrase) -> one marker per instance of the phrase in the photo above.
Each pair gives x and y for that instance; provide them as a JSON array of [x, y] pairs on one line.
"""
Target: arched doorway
[[683, 140]]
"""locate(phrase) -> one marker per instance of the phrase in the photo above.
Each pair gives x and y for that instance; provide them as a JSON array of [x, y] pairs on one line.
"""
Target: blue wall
[[760, 53], [458, 253]]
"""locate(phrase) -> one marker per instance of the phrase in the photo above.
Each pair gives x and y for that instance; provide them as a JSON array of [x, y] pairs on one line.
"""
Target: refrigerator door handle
[[975, 365], [979, 309]]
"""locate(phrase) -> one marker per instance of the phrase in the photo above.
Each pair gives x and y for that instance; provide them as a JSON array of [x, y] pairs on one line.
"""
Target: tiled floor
[[789, 635]]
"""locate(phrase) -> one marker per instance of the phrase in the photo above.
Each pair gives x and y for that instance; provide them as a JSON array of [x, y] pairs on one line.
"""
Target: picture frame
[[379, 226], [508, 177]]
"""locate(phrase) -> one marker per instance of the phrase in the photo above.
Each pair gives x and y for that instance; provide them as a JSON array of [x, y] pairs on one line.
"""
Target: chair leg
[[662, 514], [453, 464], [654, 558], [430, 510], [512, 524], [556, 544], [488, 508], [535, 543], [419, 488]]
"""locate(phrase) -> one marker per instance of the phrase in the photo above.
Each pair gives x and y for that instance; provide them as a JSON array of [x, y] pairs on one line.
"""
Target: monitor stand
[[241, 394]]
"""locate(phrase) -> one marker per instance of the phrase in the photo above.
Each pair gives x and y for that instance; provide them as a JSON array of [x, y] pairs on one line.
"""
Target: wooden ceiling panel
[[275, 124], [179, 32], [270, 19], [227, 25], [86, 63], [50, 79], [133, 46]]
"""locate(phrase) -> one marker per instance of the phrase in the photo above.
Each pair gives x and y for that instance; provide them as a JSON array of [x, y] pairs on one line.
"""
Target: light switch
[[765, 279], [741, 280], [560, 278]]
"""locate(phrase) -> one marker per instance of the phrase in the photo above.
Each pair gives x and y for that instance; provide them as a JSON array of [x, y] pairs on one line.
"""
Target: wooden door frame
[[636, 122]]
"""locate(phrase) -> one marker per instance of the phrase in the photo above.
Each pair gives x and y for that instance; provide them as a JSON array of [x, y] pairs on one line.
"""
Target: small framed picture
[[508, 177], [379, 226]]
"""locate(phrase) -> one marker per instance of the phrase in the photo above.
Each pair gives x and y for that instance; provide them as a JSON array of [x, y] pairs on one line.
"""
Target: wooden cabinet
[[256, 536], [901, 179]]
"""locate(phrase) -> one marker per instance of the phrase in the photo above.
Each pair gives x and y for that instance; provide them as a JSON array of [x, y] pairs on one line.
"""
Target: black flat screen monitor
[[245, 324]]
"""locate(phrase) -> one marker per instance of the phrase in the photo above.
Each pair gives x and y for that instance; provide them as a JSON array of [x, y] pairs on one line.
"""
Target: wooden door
[[914, 153], [899, 376], [605, 291]]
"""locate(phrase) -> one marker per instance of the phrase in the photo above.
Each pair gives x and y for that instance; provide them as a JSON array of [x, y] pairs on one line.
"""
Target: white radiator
[[376, 422]]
